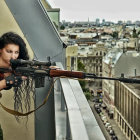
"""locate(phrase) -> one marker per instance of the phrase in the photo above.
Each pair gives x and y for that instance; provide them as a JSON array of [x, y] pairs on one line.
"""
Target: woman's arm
[[2, 84], [11, 81]]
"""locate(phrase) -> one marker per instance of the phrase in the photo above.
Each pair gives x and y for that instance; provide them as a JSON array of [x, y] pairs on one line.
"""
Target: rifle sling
[[16, 113]]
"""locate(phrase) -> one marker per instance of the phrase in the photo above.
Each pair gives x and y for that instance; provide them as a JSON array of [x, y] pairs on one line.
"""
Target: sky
[[110, 10]]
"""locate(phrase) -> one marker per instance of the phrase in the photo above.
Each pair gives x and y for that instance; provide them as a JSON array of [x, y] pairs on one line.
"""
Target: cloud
[[111, 9]]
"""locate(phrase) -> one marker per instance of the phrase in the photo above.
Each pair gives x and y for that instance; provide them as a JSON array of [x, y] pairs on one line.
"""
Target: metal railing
[[73, 116]]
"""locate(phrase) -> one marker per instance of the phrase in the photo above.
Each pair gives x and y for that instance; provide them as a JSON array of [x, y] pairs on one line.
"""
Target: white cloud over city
[[78, 10]]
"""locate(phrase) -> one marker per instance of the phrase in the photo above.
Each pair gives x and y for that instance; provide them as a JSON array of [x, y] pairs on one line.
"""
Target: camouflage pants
[[1, 134]]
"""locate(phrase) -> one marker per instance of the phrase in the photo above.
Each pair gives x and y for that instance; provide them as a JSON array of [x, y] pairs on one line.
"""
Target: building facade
[[127, 109], [93, 63], [114, 64], [71, 57]]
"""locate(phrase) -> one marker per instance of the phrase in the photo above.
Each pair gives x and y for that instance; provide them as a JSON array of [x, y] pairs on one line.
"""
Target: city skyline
[[92, 9]]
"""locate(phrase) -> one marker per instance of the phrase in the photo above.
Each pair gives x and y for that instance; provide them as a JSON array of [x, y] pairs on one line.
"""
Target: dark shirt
[[1, 134], [1, 76]]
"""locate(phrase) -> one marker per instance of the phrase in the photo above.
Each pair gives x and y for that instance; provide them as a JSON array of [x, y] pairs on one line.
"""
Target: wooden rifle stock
[[59, 73], [82, 75]]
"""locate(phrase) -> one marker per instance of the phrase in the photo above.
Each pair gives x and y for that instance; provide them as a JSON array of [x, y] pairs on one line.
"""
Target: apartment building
[[93, 62], [71, 57], [127, 109], [115, 63]]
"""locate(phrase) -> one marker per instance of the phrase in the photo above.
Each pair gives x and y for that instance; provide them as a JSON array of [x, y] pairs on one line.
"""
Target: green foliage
[[138, 32], [81, 66], [88, 95], [83, 85], [115, 35], [134, 35], [62, 27], [104, 33]]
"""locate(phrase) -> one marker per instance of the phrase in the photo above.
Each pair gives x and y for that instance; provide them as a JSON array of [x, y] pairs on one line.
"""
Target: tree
[[81, 67], [134, 35], [88, 95], [62, 27], [138, 32], [115, 35]]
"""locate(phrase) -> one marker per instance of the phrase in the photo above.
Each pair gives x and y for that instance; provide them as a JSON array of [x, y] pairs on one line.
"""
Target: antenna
[[135, 72]]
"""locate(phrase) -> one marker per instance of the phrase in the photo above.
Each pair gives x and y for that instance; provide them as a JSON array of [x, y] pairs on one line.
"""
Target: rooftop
[[135, 88], [112, 56]]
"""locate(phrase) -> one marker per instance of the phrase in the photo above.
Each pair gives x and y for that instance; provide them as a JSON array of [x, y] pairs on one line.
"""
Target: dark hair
[[13, 38]]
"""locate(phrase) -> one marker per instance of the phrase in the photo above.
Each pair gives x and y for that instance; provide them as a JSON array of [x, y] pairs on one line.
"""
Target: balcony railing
[[73, 116]]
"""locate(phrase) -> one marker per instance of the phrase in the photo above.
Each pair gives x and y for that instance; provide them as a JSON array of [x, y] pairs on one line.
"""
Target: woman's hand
[[14, 81], [54, 67], [23, 78]]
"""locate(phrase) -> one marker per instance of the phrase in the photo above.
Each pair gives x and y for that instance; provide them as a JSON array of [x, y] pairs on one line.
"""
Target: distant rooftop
[[84, 35], [113, 56]]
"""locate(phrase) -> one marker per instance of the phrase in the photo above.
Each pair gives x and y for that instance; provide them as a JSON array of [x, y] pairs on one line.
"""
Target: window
[[100, 61], [100, 68], [96, 60], [72, 63]]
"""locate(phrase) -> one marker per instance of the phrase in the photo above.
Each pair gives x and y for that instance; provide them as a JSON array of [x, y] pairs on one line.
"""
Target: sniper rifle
[[39, 70]]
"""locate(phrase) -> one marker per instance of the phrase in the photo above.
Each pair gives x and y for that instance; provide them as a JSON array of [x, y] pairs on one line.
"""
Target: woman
[[12, 46]]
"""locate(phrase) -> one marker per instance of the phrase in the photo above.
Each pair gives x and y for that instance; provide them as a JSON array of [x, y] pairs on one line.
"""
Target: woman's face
[[10, 51]]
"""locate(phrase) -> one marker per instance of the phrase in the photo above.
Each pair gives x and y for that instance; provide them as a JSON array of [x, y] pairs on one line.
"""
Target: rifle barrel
[[121, 79]]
